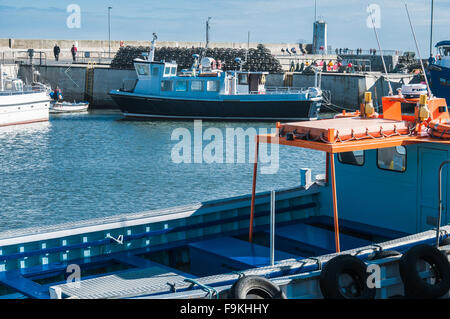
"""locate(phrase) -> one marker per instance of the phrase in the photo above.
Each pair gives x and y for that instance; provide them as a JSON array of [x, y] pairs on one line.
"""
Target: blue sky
[[270, 21]]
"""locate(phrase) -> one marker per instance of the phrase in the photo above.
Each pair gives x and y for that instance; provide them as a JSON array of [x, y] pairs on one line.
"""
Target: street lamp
[[109, 31]]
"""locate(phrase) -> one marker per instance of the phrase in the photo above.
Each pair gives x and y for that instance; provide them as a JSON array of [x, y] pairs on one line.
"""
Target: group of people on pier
[[57, 51]]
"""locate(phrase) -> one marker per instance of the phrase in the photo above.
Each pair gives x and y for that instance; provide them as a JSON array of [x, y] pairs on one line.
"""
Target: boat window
[[197, 86], [143, 69], [180, 86], [352, 158], [155, 71], [166, 85], [212, 86], [173, 70], [243, 79], [167, 70], [392, 158], [444, 81]]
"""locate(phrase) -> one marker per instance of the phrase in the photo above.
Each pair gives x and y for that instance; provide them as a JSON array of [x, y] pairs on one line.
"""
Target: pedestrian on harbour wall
[[56, 51], [74, 52]]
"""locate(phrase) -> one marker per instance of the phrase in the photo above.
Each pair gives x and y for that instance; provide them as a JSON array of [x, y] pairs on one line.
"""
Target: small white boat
[[67, 107]]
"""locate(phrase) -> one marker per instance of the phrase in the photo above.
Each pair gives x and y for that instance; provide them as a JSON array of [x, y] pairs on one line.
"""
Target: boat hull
[[68, 107], [440, 81], [24, 108], [151, 107]]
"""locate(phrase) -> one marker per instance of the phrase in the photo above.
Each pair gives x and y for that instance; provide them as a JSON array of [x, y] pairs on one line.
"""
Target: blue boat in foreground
[[375, 226], [439, 69], [207, 92]]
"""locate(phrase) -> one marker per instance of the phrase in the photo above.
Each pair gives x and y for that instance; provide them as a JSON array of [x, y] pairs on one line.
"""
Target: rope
[[211, 292]]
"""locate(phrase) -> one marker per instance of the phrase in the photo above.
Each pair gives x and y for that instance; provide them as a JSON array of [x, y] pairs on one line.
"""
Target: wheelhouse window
[[196, 86], [392, 158], [155, 71], [444, 82], [143, 69], [212, 86], [167, 70], [166, 85], [243, 79], [352, 158], [173, 70], [181, 86]]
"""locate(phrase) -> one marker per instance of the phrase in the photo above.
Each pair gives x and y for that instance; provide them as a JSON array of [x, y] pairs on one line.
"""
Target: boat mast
[[151, 55], [207, 32], [431, 31], [391, 92], [418, 51]]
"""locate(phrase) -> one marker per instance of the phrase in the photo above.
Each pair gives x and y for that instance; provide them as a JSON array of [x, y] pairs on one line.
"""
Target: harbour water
[[97, 164]]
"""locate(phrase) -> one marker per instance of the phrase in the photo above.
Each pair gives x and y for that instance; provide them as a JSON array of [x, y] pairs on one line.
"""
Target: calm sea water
[[97, 164]]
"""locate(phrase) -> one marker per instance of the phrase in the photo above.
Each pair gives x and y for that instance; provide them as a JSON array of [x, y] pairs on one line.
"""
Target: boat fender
[[356, 269], [415, 286], [380, 254], [255, 287]]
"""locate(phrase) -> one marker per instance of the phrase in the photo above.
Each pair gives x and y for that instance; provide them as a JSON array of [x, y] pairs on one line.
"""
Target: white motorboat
[[19, 103], [67, 107]]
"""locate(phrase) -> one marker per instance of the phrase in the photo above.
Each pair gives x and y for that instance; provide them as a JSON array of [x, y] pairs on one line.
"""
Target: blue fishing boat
[[207, 92], [439, 69], [376, 225]]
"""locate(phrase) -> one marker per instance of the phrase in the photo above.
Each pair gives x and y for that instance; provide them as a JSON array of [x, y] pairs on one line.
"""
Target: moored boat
[[22, 104], [68, 107], [207, 92], [378, 213]]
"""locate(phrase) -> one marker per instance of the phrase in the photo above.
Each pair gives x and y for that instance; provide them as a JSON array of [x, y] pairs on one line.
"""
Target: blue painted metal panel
[[306, 238], [227, 254]]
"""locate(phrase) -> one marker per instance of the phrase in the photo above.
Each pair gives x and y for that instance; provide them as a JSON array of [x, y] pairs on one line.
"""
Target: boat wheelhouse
[[207, 92], [440, 71]]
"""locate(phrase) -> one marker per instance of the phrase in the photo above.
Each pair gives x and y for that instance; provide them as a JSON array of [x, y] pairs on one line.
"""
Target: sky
[[269, 21]]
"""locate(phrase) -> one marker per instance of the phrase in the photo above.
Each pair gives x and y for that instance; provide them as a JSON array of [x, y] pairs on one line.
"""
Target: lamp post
[[109, 31]]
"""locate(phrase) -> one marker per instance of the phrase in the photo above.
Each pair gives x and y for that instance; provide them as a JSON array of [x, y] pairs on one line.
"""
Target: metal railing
[[286, 90]]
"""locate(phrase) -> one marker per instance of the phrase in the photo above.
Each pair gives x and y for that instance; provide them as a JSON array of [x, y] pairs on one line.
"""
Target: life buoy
[[415, 286], [356, 271], [439, 129], [255, 287]]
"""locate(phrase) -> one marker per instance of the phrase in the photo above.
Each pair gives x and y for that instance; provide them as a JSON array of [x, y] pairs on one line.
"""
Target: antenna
[[431, 31], [418, 51], [315, 10], [207, 32], [391, 92], [248, 47]]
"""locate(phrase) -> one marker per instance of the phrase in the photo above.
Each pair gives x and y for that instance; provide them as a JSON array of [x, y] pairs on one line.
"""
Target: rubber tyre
[[415, 287], [259, 287], [345, 264], [383, 254]]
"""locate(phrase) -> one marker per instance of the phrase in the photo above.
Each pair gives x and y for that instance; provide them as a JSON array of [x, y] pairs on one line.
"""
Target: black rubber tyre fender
[[255, 287], [351, 266], [380, 254], [415, 286]]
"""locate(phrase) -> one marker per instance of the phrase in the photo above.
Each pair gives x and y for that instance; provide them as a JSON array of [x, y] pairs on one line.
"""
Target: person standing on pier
[[74, 52], [56, 51]]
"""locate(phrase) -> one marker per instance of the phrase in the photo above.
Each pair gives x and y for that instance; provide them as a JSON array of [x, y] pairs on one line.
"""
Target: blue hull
[[440, 81]]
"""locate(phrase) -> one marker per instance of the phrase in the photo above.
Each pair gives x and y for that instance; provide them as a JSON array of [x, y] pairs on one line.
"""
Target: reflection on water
[[84, 166]]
